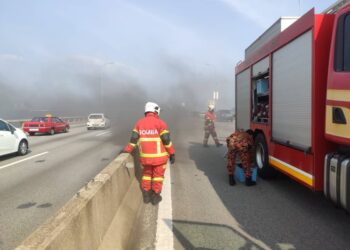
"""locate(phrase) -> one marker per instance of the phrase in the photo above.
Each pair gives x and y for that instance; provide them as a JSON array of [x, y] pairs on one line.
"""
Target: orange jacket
[[209, 119], [153, 139]]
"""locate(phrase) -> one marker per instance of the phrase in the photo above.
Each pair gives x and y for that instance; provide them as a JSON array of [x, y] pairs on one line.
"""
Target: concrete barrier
[[113, 196]]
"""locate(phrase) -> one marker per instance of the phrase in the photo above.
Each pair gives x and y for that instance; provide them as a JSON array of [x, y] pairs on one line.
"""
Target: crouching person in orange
[[240, 143], [155, 147]]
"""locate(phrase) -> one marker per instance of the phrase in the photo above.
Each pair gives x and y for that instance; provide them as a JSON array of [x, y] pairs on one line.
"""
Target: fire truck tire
[[262, 157]]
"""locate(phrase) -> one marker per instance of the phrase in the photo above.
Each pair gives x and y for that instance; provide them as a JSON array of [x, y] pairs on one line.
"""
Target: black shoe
[[249, 182], [231, 180], [147, 195], [218, 144], [156, 198]]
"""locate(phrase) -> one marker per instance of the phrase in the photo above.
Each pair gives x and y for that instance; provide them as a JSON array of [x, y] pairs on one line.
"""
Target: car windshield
[[95, 117], [39, 119]]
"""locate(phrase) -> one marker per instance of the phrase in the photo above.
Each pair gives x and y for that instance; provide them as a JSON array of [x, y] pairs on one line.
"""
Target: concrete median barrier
[[112, 196]]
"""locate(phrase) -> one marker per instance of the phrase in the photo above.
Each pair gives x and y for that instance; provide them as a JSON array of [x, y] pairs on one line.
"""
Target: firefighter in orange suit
[[209, 127], [241, 143], [155, 147]]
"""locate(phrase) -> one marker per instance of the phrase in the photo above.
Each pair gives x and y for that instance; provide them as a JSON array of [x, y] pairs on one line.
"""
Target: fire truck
[[293, 91]]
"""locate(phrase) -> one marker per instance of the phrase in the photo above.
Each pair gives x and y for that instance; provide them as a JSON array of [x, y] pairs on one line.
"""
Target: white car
[[12, 140], [98, 120]]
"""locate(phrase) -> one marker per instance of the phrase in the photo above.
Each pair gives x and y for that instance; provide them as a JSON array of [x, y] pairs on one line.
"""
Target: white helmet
[[152, 107], [211, 107]]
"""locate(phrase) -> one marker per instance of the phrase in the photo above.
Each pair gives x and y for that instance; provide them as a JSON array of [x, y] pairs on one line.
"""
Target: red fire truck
[[293, 91]]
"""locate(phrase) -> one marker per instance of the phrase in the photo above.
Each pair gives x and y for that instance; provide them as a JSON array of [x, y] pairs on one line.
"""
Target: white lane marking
[[26, 159], [103, 133], [164, 236]]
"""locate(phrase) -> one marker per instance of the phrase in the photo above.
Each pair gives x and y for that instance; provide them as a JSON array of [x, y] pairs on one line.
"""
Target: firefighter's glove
[[172, 159]]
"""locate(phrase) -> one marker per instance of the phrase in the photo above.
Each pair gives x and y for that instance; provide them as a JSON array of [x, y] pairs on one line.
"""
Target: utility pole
[[215, 96]]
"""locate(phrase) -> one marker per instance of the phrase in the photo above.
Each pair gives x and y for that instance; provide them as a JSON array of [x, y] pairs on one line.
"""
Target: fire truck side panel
[[291, 90], [299, 27], [338, 92], [292, 162], [322, 36], [302, 161], [243, 100]]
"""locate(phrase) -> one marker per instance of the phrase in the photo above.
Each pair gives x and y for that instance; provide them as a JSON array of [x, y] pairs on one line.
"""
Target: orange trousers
[[152, 178]]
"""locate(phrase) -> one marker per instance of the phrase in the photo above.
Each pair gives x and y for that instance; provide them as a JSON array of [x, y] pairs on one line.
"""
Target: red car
[[45, 124]]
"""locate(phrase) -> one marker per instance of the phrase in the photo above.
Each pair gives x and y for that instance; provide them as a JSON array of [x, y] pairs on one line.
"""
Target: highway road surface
[[199, 209], [35, 186], [204, 212]]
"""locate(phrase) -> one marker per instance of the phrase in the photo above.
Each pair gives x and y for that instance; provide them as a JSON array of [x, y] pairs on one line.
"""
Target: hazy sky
[[158, 43]]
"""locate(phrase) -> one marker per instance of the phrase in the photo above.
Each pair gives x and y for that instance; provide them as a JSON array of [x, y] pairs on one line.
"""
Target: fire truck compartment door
[[291, 92], [243, 100], [261, 67]]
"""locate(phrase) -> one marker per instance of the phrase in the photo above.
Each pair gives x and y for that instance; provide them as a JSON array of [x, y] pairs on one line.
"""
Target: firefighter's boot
[[156, 198], [147, 196], [249, 182], [231, 180], [218, 144]]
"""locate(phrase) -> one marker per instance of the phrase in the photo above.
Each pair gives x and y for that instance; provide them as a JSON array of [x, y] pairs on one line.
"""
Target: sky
[[168, 51]]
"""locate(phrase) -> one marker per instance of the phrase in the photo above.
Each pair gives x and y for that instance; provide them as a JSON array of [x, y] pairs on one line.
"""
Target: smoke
[[80, 85]]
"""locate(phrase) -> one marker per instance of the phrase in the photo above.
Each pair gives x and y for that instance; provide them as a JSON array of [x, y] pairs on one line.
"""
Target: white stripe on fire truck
[[296, 172]]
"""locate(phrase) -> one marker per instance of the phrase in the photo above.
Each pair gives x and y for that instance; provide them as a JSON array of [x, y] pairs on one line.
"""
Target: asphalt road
[[54, 170], [207, 213]]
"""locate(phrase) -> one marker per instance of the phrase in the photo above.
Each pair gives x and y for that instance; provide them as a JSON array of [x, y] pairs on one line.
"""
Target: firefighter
[[240, 143], [155, 148], [209, 127]]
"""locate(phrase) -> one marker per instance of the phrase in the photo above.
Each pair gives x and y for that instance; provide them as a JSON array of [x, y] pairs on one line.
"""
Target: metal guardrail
[[72, 120]]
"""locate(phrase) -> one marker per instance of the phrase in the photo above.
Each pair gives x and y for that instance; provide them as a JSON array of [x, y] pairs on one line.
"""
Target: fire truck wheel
[[262, 157]]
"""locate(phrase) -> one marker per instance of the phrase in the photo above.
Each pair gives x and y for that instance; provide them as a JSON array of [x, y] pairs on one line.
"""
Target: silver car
[[98, 121]]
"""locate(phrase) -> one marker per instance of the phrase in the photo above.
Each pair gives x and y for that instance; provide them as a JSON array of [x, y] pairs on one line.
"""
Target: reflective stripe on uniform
[[146, 178], [158, 154], [153, 155], [132, 144], [135, 130], [164, 132], [150, 139], [159, 179]]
